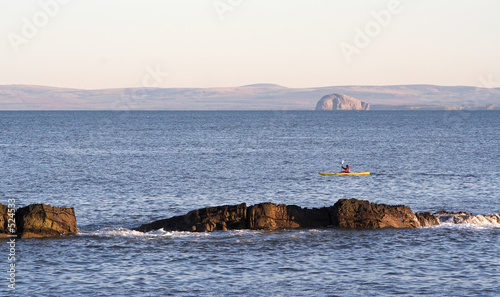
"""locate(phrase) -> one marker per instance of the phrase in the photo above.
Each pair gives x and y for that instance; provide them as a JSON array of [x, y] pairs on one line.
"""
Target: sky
[[92, 44]]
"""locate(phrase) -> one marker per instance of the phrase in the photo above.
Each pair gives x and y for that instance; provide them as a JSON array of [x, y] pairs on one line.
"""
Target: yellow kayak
[[343, 173]]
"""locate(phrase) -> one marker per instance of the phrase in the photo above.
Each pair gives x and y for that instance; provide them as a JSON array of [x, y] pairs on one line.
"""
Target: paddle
[[342, 164]]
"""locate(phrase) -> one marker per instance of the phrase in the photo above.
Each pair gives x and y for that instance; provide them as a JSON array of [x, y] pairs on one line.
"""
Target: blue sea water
[[122, 169]]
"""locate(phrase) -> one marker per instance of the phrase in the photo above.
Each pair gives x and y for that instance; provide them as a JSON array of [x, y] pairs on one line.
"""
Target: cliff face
[[341, 102]]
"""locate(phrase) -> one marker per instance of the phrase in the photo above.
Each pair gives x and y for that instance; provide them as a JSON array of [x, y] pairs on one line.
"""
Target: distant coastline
[[433, 107], [250, 97]]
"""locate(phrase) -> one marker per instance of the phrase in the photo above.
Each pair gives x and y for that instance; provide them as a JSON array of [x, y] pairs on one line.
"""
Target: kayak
[[344, 173]]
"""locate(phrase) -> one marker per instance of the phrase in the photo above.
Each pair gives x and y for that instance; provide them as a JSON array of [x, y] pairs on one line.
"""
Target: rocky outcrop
[[353, 213], [346, 213], [204, 220], [427, 219], [341, 102], [234, 217], [39, 220]]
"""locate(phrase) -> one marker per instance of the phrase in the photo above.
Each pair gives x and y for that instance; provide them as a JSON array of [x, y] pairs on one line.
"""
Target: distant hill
[[251, 97]]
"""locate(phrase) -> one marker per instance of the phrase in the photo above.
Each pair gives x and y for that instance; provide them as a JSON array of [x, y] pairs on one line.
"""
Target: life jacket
[[346, 170]]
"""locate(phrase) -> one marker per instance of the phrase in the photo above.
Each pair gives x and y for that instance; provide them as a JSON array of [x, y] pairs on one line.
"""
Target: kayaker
[[346, 168]]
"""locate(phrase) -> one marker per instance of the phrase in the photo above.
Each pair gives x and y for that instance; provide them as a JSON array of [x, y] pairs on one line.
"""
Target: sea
[[121, 169]]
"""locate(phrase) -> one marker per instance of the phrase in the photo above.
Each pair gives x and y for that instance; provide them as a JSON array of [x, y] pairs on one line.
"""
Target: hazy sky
[[212, 43]]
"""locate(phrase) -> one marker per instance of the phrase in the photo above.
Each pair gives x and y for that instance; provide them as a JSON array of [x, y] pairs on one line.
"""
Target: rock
[[470, 219], [341, 102], [353, 213], [444, 212], [41, 220], [493, 218], [427, 219], [3, 221], [272, 216], [463, 217], [234, 217], [208, 219], [346, 213], [310, 218]]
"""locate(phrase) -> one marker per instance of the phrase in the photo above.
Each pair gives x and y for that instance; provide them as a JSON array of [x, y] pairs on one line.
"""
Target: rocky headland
[[341, 102]]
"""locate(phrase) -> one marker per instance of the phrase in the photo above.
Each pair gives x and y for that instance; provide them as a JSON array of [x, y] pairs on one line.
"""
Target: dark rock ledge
[[346, 213]]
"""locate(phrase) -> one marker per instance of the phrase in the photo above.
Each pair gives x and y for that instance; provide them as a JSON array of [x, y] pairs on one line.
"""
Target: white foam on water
[[124, 232], [470, 221], [446, 221], [245, 235]]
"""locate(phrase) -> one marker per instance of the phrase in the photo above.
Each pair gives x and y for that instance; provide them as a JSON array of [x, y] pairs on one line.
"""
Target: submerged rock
[[466, 218], [341, 102], [346, 213]]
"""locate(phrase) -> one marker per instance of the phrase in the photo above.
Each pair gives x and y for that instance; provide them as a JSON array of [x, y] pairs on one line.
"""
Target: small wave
[[245, 234], [112, 232], [473, 221]]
